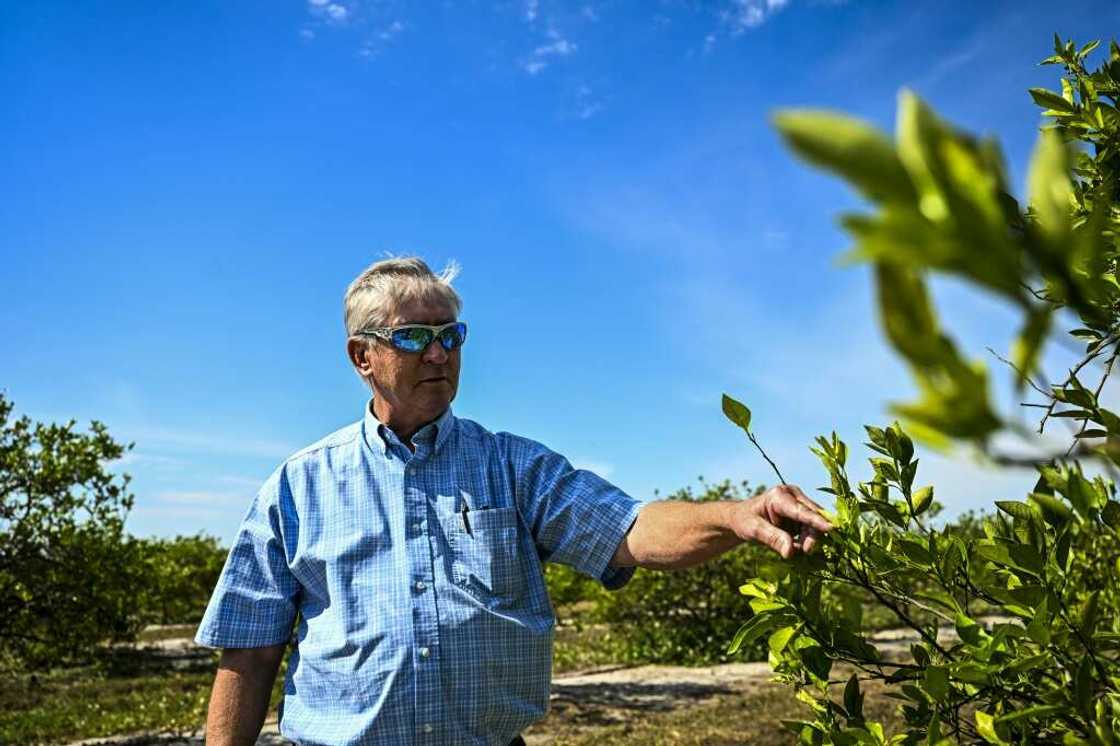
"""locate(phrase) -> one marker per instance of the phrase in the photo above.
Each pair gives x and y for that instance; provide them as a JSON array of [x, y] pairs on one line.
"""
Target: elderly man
[[410, 545]]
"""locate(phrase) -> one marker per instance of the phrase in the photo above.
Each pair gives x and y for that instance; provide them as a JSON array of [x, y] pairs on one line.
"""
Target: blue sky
[[186, 189]]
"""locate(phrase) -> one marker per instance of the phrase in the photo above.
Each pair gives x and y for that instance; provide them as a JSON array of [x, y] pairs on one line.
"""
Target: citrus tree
[[1015, 625], [68, 572]]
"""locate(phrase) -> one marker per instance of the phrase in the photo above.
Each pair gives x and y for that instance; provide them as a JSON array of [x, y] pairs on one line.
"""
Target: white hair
[[384, 286]]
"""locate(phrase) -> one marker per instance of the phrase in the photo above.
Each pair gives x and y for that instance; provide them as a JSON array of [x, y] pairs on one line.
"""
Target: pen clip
[[466, 523]]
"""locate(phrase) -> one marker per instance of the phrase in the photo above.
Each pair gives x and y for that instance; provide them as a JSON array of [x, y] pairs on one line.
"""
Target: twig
[[772, 464], [1022, 375], [1096, 397]]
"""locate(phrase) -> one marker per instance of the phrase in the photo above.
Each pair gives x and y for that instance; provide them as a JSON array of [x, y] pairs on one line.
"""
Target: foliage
[[682, 616], [943, 206], [1017, 632], [67, 574], [145, 693], [179, 576]]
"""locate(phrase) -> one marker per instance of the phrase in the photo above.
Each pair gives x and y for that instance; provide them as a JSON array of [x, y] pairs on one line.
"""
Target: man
[[410, 545]]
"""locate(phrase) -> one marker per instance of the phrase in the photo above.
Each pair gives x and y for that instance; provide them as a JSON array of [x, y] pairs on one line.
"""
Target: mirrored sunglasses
[[417, 337]]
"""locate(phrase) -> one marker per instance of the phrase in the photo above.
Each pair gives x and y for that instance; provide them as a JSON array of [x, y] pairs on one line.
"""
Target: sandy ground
[[592, 698]]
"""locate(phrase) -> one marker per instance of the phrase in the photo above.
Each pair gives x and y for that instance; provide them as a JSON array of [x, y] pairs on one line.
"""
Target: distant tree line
[[72, 580]]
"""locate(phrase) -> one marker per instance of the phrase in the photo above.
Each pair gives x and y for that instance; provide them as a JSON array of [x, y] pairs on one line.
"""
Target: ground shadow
[[612, 702]]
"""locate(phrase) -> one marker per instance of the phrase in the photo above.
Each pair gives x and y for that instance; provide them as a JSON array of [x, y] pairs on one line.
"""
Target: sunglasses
[[417, 337]]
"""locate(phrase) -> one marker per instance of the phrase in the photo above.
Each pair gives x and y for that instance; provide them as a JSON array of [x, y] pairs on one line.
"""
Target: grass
[[86, 704], [141, 693], [124, 695]]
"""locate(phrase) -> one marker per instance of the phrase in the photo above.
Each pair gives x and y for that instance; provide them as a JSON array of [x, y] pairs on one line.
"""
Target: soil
[[612, 701]]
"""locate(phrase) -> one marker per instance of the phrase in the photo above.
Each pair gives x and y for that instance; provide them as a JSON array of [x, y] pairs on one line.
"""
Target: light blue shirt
[[417, 623]]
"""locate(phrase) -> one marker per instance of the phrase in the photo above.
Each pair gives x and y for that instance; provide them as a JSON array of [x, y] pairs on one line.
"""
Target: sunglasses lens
[[453, 337], [412, 340]]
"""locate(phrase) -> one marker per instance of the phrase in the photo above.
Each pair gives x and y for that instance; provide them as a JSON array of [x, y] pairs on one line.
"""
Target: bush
[[1046, 667], [179, 576], [682, 616], [68, 574]]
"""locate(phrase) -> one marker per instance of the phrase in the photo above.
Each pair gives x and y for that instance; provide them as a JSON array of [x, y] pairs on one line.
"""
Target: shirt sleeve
[[577, 518], [255, 601]]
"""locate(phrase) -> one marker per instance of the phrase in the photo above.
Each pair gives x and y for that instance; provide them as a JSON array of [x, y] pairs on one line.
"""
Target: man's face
[[413, 387]]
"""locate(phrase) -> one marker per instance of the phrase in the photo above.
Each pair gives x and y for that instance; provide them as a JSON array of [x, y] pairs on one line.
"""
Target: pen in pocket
[[466, 523]]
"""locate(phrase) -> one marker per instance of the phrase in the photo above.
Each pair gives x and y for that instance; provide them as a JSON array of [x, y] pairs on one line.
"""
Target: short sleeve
[[254, 603], [577, 518]]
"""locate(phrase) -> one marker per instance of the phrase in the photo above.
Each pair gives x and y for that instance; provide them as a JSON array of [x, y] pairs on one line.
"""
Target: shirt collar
[[378, 435]]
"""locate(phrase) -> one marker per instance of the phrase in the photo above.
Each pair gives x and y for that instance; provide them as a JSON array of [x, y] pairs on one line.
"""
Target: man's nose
[[434, 353]]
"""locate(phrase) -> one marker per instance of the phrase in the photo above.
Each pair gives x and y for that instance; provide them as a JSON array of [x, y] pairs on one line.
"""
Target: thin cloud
[[134, 458], [587, 104], [742, 15], [330, 11], [202, 498], [540, 57], [187, 441]]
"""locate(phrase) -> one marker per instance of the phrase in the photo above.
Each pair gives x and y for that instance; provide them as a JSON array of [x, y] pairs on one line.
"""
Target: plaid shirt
[[417, 577]]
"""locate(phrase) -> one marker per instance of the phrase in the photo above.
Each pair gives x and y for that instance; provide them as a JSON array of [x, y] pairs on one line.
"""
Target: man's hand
[[783, 518], [674, 534]]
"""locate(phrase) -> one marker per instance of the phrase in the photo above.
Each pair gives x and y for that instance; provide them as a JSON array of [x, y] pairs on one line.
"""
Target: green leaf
[[915, 552], [1087, 49], [1083, 686], [1110, 514], [1040, 712], [1090, 612], [816, 661], [1062, 553], [1050, 100], [922, 499], [972, 673], [853, 699], [935, 681], [1056, 512], [985, 726], [737, 413], [849, 147], [753, 590], [1016, 509], [1039, 627], [779, 639], [754, 628], [970, 632], [1050, 186]]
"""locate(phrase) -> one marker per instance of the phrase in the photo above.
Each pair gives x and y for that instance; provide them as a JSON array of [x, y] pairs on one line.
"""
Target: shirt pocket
[[485, 554]]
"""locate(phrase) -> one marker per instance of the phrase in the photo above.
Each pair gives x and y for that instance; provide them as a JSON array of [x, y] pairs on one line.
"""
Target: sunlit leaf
[[851, 148], [737, 412]]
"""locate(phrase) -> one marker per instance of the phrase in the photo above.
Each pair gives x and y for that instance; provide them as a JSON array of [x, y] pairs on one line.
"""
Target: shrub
[[1046, 669], [67, 572], [682, 616], [180, 574]]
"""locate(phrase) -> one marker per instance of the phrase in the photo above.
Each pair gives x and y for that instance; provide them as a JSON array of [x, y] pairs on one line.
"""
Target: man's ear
[[356, 351]]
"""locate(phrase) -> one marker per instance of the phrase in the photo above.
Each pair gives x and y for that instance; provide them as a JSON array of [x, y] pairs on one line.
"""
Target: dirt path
[[584, 701]]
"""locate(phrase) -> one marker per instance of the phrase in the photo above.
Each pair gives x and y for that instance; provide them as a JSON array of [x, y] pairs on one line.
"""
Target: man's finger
[[805, 498], [774, 537], [793, 509], [810, 539], [798, 494]]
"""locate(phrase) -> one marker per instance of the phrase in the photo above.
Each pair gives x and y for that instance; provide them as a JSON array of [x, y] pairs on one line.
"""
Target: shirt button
[[420, 585], [417, 528], [427, 727], [425, 652]]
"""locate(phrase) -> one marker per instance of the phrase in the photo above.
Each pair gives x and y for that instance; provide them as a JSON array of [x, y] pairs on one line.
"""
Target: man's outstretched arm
[[674, 534], [239, 700]]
